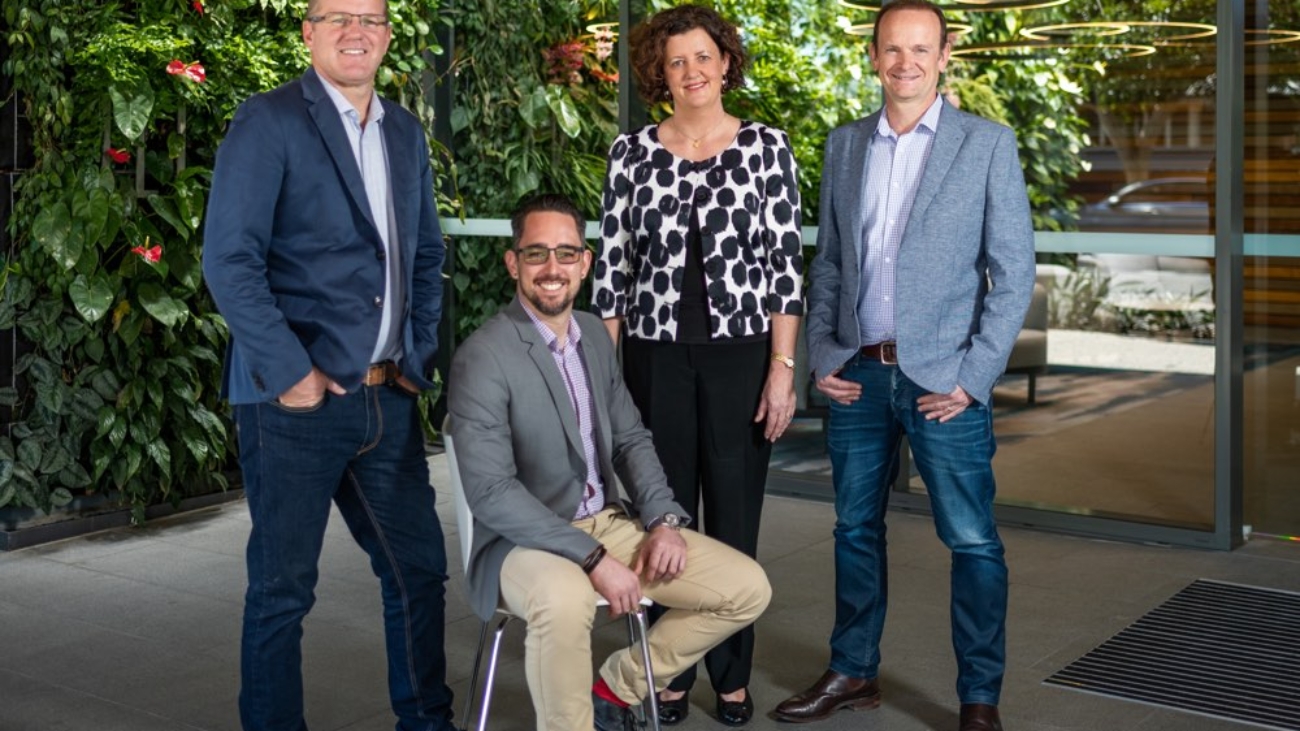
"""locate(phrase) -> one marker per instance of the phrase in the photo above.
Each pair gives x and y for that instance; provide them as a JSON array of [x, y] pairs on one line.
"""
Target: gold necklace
[[696, 141]]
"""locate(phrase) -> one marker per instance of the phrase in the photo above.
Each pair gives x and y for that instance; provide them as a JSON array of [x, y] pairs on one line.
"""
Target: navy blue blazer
[[291, 252]]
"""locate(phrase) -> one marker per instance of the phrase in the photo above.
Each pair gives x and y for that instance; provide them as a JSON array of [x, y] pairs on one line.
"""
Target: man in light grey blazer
[[545, 431], [923, 274]]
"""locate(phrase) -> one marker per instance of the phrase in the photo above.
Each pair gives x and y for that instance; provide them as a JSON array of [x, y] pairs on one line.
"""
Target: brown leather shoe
[[831, 692], [979, 717]]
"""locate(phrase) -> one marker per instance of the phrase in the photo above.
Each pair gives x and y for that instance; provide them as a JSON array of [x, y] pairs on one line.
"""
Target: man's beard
[[550, 310]]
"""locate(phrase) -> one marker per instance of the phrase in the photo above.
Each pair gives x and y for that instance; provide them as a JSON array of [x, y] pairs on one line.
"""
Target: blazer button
[[379, 302]]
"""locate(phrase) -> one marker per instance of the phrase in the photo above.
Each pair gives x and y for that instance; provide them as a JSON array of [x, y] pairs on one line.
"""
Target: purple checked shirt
[[569, 360], [893, 172]]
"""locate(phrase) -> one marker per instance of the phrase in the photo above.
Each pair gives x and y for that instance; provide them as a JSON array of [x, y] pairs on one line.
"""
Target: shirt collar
[[345, 107], [575, 332], [929, 120]]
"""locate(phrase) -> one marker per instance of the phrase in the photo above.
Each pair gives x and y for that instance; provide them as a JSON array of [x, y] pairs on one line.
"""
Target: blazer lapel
[[326, 116], [854, 166], [947, 142], [541, 356], [401, 170]]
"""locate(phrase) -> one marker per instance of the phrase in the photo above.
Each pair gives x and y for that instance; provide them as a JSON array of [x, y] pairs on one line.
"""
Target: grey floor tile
[[137, 628]]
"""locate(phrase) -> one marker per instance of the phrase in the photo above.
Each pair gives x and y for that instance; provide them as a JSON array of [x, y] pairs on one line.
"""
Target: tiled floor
[[137, 630]]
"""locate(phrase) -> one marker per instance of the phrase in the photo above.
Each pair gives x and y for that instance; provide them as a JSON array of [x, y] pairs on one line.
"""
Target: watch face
[[671, 520]]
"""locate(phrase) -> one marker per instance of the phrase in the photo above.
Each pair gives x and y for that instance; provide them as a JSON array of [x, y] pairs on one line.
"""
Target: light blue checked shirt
[[893, 171], [372, 159], [574, 373]]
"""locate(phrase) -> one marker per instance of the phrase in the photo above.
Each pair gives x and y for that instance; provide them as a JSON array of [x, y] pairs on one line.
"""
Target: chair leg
[[1033, 387], [489, 681], [637, 619], [473, 678]]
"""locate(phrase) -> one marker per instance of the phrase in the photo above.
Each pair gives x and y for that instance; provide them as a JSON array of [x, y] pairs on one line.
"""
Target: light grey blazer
[[965, 270], [520, 451]]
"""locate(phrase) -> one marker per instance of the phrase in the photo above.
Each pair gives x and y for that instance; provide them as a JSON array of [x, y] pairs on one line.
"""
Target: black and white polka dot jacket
[[746, 199]]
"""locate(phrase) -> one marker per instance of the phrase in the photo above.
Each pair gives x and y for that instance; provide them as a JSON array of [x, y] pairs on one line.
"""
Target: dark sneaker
[[610, 717]]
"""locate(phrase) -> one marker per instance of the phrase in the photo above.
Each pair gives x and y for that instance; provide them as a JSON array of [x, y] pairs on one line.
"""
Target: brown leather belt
[[379, 374], [886, 352]]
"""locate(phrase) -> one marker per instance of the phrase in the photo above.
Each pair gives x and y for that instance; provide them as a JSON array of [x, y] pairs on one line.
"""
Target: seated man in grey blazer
[[545, 431]]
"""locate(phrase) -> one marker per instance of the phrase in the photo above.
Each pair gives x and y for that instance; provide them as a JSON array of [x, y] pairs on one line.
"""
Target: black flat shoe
[[735, 713], [672, 713]]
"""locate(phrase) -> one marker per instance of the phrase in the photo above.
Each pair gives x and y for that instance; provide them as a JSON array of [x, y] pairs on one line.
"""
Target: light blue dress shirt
[[372, 159], [894, 167]]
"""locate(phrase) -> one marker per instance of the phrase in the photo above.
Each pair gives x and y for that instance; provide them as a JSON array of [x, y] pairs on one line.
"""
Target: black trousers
[[699, 403]]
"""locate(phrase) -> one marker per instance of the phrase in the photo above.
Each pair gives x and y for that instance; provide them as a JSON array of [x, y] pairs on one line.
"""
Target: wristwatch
[[785, 360], [671, 520]]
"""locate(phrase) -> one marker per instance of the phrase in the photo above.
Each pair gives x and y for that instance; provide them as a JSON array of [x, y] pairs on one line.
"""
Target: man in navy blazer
[[323, 252], [923, 275]]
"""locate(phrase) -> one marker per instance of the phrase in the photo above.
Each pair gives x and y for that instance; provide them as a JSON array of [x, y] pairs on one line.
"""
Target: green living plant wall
[[122, 346]]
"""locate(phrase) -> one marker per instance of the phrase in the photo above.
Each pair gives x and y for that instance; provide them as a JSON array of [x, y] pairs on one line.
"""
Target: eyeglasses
[[340, 20], [536, 255]]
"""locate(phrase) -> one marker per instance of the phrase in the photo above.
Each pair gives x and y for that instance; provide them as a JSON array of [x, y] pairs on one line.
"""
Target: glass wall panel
[[1271, 309]]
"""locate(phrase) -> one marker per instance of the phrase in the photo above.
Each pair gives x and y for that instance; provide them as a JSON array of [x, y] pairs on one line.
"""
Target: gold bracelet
[[785, 360]]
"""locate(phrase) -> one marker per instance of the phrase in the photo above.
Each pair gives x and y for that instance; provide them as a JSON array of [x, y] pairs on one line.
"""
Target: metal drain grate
[[1221, 650]]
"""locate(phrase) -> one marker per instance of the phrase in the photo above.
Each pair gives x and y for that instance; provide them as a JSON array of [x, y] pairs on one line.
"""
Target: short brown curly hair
[[649, 39]]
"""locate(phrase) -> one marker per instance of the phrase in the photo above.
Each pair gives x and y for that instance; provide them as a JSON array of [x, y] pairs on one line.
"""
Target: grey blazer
[[965, 264], [520, 451]]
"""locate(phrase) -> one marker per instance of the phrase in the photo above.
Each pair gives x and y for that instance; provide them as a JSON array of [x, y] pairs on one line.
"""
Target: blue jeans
[[955, 460], [364, 452]]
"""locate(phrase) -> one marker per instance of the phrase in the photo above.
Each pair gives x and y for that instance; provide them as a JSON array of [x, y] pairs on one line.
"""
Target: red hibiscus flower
[[118, 156], [198, 6], [192, 71], [153, 255]]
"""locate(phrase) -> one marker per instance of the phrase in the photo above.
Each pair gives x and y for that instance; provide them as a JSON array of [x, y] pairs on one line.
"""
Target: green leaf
[[105, 384], [60, 496], [161, 306], [161, 456], [92, 298], [74, 476], [105, 420], [566, 113], [29, 453], [7, 489], [117, 434], [85, 405], [8, 396], [209, 421], [131, 108], [197, 445], [165, 208], [54, 459], [460, 119], [52, 230], [52, 397], [91, 209], [534, 108]]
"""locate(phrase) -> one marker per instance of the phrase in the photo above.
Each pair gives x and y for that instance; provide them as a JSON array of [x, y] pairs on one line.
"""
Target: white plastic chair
[[636, 621]]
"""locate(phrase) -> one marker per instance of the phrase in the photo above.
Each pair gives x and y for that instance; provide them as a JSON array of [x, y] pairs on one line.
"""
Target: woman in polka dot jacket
[[701, 267]]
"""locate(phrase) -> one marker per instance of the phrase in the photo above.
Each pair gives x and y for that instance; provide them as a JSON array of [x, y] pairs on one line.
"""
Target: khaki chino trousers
[[720, 592]]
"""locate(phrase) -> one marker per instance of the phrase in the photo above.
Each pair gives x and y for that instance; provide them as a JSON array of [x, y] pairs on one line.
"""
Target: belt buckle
[[889, 353]]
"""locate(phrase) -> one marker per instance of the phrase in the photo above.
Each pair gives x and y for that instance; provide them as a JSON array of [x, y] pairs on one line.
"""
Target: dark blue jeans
[[954, 459], [364, 452]]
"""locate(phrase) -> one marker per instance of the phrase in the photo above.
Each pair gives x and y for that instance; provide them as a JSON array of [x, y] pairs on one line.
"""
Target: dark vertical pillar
[[631, 110], [1229, 224], [441, 93]]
